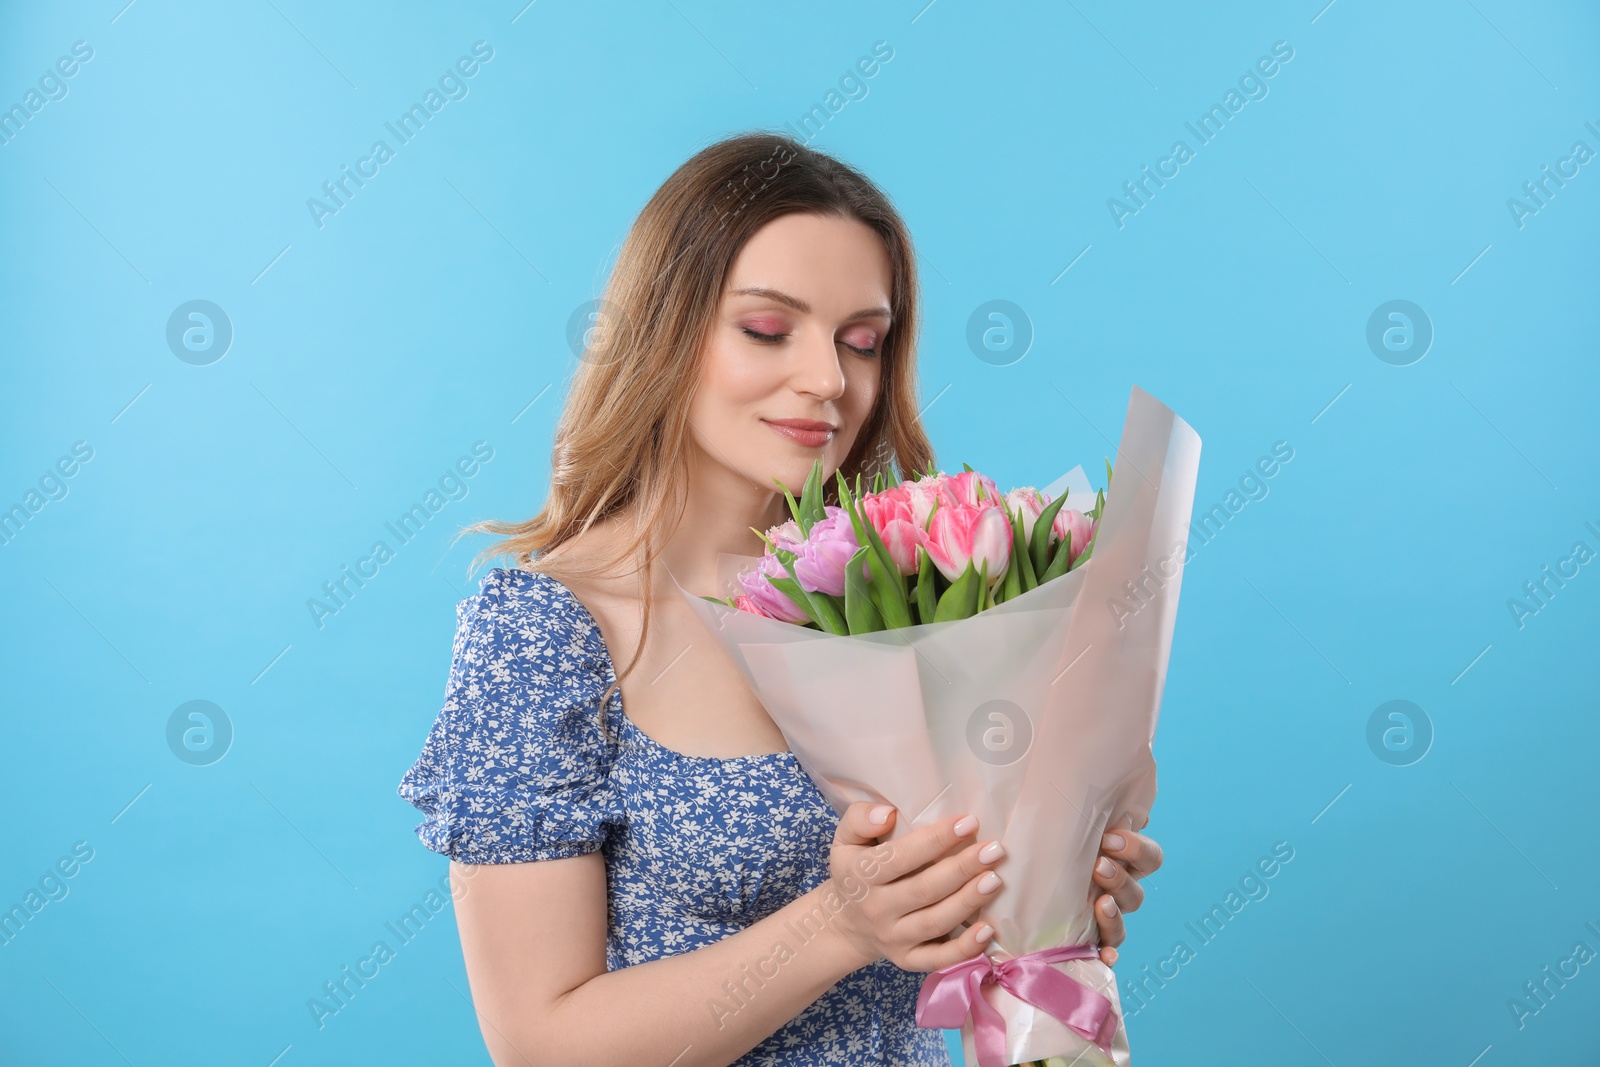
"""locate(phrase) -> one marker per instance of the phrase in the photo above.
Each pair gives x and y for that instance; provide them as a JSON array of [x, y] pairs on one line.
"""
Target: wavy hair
[[622, 441]]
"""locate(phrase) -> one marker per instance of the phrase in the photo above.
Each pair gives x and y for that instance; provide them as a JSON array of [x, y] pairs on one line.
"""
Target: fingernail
[[879, 815], [1109, 907], [989, 883], [991, 852], [965, 825], [985, 932], [1105, 867], [1112, 842]]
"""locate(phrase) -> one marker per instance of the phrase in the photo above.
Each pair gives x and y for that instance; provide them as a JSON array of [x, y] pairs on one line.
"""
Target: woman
[[695, 901]]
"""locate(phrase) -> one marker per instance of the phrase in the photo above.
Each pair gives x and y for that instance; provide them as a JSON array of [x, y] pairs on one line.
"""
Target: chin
[[791, 473], [794, 469]]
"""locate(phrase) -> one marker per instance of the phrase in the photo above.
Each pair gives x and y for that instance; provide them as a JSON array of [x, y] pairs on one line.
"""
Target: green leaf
[[1021, 555], [791, 589], [1087, 549], [1011, 584], [1040, 544], [859, 611], [843, 487], [966, 466], [794, 510], [848, 503], [887, 581], [1059, 561], [891, 477], [811, 498], [820, 606], [833, 607], [960, 601], [1108, 471], [1083, 556], [927, 587]]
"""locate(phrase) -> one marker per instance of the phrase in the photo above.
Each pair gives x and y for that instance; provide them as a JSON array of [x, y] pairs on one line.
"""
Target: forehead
[[825, 261]]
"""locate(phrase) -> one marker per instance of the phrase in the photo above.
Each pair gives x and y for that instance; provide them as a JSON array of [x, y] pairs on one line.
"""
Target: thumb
[[857, 826]]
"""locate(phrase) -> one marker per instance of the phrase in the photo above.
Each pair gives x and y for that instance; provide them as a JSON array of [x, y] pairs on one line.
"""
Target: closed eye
[[774, 338]]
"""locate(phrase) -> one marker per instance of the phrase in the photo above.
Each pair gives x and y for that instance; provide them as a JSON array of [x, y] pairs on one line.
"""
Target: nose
[[818, 371]]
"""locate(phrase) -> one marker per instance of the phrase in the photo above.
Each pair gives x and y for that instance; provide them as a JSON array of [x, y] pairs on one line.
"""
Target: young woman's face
[[798, 338]]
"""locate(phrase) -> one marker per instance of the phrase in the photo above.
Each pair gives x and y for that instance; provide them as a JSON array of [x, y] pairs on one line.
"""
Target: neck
[[720, 510]]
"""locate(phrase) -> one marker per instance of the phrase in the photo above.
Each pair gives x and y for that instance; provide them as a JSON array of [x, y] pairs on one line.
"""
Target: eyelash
[[772, 338]]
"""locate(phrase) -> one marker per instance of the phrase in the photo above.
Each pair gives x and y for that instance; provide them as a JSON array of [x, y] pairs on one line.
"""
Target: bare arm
[[534, 936]]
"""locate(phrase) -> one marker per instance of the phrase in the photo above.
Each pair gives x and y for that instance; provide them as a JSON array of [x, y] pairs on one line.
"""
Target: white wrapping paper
[[1036, 716]]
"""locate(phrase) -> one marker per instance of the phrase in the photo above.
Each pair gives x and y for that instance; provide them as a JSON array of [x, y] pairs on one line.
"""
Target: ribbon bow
[[950, 995]]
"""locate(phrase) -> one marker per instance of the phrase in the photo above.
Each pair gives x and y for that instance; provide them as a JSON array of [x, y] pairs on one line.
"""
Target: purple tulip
[[822, 558], [785, 535], [766, 598]]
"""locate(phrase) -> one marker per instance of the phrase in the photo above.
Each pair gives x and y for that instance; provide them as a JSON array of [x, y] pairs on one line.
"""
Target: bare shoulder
[[610, 595]]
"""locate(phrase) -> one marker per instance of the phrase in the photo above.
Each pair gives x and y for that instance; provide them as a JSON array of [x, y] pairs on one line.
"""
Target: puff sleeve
[[516, 766]]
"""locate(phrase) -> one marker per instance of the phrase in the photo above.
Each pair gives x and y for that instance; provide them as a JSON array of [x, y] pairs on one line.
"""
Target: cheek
[[861, 393], [729, 381], [863, 389]]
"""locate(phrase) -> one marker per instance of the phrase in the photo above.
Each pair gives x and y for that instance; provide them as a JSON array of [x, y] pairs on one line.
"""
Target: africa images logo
[[1205, 128], [452, 85]]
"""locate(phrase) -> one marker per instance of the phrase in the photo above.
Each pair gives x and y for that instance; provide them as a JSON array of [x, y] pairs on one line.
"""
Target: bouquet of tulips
[[937, 549], [939, 646]]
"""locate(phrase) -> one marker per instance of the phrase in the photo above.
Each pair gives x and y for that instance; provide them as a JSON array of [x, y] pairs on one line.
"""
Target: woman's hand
[[904, 896], [1125, 857]]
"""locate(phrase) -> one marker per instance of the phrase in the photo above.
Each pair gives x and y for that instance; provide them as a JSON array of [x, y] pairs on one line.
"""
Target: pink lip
[[807, 432]]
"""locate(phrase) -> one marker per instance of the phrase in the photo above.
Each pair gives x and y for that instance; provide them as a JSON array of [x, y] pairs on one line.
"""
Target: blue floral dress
[[516, 768]]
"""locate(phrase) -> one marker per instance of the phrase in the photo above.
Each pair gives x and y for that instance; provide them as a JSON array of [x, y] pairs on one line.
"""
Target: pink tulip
[[901, 538], [980, 535], [1074, 525], [745, 603], [922, 494], [892, 516], [765, 598], [882, 508], [1030, 503], [785, 535], [963, 488], [824, 556]]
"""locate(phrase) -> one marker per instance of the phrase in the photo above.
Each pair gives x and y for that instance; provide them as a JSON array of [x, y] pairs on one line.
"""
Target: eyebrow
[[803, 307]]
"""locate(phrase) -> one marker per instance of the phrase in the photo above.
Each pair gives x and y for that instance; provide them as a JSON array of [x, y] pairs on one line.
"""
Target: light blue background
[[431, 312]]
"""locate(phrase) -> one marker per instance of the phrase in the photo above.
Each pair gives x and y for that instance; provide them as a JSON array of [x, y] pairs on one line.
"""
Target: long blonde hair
[[622, 442]]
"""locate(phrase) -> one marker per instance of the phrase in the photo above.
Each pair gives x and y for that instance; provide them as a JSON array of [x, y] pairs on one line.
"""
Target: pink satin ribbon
[[951, 995]]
